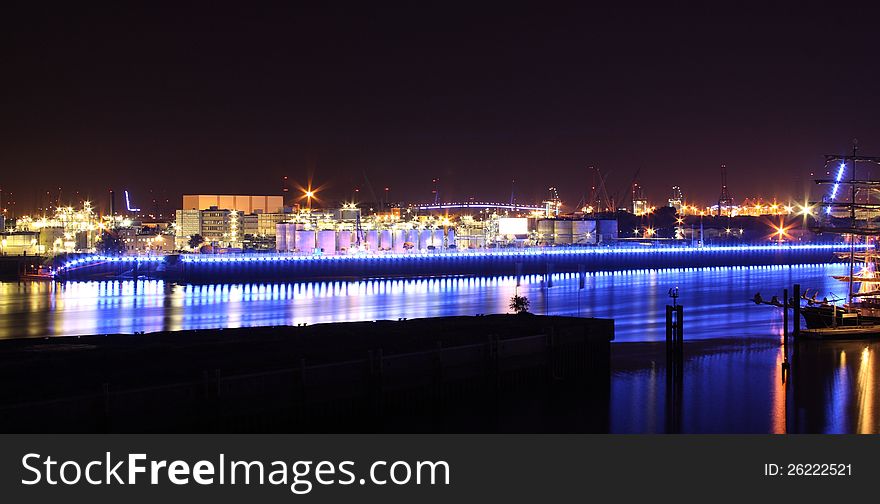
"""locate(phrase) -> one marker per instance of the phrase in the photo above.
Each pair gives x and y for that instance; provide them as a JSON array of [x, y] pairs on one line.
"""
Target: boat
[[842, 332], [857, 316]]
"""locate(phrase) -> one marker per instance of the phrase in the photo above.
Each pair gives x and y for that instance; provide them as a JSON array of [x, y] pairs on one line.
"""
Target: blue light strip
[[128, 204], [463, 255], [836, 186], [95, 259]]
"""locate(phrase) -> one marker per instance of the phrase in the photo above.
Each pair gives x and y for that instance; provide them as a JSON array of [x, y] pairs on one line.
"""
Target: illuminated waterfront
[[731, 380], [715, 298]]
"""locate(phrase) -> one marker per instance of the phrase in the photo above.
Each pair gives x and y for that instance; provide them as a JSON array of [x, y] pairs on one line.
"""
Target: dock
[[436, 375], [272, 267]]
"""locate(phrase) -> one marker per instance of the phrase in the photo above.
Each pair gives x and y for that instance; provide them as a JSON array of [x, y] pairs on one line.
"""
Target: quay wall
[[201, 268], [420, 375]]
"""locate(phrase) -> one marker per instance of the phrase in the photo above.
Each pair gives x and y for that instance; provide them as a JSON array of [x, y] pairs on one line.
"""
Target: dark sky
[[174, 99]]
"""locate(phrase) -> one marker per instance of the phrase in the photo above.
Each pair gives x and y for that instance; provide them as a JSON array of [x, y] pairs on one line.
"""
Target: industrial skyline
[[285, 217]]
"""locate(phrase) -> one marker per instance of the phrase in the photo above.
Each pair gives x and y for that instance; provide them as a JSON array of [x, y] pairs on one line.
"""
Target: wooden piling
[[674, 367], [784, 317]]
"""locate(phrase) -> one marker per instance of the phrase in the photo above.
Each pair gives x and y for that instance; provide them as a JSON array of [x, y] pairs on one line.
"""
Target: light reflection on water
[[738, 389], [715, 301], [732, 388]]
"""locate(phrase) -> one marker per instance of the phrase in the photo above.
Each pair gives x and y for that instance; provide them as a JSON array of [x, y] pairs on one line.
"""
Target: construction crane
[[512, 188], [630, 189], [370, 187], [599, 192], [725, 199]]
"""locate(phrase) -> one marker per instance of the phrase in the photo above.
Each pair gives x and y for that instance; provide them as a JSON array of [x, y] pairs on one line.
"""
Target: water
[[715, 299], [731, 381]]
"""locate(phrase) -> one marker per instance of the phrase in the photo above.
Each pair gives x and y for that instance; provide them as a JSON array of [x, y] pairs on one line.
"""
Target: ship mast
[[852, 212], [870, 228]]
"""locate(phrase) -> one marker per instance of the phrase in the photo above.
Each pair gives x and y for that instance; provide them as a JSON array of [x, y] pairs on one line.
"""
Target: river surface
[[731, 383]]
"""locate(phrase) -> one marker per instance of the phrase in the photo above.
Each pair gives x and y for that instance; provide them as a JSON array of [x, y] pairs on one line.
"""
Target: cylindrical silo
[[398, 237], [343, 241], [562, 232], [385, 239], [305, 241], [583, 232], [424, 239], [327, 241], [437, 240], [291, 237], [607, 230], [412, 237], [372, 240], [280, 238], [545, 231]]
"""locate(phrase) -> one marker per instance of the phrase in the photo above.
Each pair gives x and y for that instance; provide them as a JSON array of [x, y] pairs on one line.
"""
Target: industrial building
[[141, 240], [20, 243], [245, 204], [217, 226], [225, 227]]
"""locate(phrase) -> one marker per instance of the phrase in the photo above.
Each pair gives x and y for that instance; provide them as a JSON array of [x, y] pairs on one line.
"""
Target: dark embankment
[[496, 373]]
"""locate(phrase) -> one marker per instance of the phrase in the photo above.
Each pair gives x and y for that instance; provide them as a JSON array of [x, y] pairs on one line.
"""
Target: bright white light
[[128, 204]]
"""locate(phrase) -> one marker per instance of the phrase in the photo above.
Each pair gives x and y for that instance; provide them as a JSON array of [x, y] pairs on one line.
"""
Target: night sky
[[165, 100]]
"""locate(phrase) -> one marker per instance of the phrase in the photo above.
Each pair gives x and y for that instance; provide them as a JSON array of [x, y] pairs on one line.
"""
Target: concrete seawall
[[205, 268], [436, 375]]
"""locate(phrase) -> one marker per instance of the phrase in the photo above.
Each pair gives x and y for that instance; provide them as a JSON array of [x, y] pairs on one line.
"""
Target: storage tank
[[607, 230], [424, 239], [280, 238], [327, 241], [305, 241], [562, 232], [343, 241], [450, 239], [583, 231], [412, 237], [291, 236], [385, 239], [545, 231], [399, 237], [438, 239], [372, 240]]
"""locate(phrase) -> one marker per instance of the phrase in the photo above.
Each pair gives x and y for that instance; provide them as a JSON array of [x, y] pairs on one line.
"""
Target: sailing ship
[[857, 316]]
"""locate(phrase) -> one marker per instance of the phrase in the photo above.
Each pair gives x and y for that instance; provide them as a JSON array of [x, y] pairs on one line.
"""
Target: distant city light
[[805, 209]]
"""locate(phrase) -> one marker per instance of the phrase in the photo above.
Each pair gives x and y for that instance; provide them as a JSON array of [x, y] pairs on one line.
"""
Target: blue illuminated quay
[[201, 268]]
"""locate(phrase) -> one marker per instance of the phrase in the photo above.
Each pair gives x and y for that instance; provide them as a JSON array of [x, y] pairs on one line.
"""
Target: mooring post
[[668, 335], [783, 366], [796, 332], [679, 330], [784, 317], [674, 366]]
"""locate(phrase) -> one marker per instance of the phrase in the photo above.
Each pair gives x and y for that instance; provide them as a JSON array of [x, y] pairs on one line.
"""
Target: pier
[[436, 374], [201, 268], [17, 266]]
